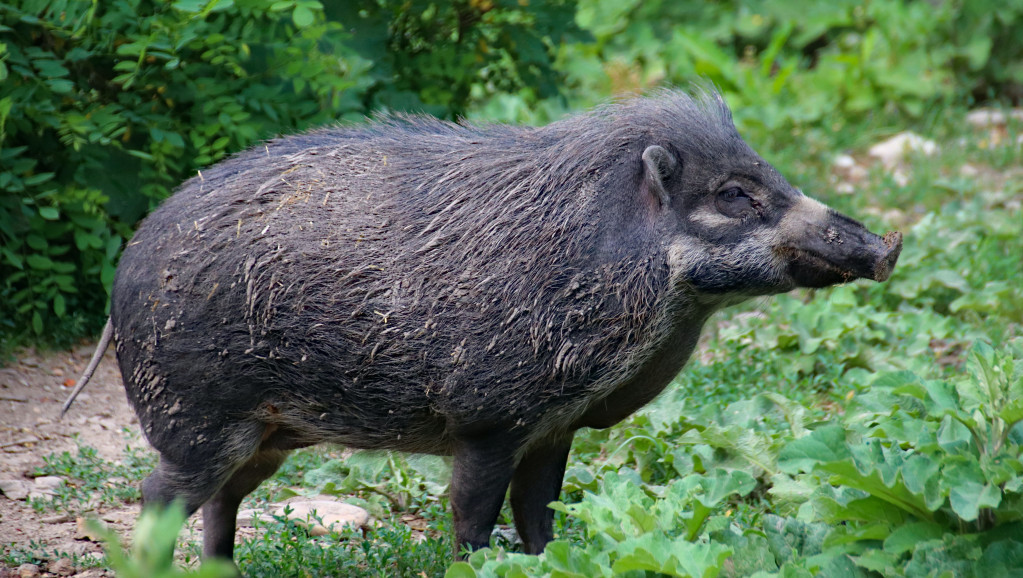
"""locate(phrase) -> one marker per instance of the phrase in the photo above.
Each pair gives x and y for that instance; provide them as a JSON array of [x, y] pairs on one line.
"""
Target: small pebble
[[15, 489], [48, 483], [58, 519], [62, 567]]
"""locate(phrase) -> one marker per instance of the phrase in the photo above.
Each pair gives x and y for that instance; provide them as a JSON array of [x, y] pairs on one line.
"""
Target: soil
[[32, 390]]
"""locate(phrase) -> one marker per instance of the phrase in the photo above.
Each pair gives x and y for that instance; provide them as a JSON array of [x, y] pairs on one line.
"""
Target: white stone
[[330, 512], [61, 567], [48, 483], [969, 171], [247, 518], [891, 151], [900, 178], [844, 162], [857, 174], [15, 489], [989, 117]]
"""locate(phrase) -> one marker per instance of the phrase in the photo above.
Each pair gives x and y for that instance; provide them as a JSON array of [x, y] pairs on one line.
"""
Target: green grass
[[91, 481]]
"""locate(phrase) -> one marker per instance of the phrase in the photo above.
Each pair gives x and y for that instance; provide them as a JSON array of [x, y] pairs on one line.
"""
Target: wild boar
[[478, 291]]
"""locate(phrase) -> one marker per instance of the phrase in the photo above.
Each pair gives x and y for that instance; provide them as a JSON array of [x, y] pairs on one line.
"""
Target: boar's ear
[[658, 166]]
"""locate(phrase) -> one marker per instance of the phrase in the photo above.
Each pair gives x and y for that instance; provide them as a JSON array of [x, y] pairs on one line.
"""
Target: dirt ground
[[32, 391]]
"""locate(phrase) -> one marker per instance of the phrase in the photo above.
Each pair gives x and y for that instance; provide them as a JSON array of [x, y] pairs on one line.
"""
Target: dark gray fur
[[423, 286]]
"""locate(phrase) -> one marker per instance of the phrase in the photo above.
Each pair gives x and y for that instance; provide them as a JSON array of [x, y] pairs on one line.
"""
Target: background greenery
[[869, 429]]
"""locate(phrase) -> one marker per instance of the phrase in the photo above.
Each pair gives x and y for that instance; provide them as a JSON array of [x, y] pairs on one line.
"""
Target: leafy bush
[[920, 477], [104, 111]]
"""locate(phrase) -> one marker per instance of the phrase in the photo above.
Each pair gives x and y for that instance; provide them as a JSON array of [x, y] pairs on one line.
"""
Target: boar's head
[[736, 228]]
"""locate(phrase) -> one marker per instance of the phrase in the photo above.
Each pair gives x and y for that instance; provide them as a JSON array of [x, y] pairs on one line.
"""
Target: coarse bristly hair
[[381, 284]]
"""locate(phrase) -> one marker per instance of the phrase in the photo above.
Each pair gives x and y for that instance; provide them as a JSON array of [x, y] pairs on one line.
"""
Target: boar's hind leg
[[219, 515], [222, 470], [536, 483], [479, 479]]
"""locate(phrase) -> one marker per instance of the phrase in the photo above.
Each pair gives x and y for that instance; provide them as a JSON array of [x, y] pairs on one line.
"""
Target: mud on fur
[[479, 291]]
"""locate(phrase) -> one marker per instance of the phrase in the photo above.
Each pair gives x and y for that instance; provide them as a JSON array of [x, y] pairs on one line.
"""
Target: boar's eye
[[733, 202]]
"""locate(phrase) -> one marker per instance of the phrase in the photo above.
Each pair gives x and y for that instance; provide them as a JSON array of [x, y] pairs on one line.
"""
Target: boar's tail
[[104, 343]]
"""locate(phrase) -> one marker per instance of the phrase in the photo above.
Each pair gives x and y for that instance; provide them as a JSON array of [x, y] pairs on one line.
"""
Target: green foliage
[[788, 64], [627, 530], [103, 112], [91, 481], [152, 552], [381, 481], [862, 430], [921, 464], [285, 548]]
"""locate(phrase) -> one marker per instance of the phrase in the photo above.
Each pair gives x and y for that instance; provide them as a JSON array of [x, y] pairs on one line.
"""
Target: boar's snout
[[836, 249], [893, 246]]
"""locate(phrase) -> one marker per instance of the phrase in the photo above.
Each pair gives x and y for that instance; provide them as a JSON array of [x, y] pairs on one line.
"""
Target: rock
[[329, 512], [45, 487], [900, 178], [61, 567], [15, 489], [414, 522], [857, 173], [48, 483], [28, 571], [844, 162], [84, 530], [508, 535], [93, 557], [247, 518], [989, 117], [891, 151], [124, 517], [57, 519]]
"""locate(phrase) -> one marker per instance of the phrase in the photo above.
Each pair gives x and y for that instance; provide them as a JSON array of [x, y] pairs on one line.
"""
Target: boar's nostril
[[893, 239], [885, 265]]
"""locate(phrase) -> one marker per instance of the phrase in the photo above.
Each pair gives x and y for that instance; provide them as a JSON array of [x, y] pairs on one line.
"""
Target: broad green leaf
[[751, 551], [39, 262], [1012, 412], [656, 553], [303, 16], [49, 213], [849, 534], [880, 561], [572, 562], [714, 488], [904, 538], [921, 476], [967, 498], [460, 570], [846, 473], [826, 444], [1003, 558]]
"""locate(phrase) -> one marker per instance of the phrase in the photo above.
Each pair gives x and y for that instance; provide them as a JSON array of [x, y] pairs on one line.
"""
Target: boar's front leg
[[482, 470], [536, 483]]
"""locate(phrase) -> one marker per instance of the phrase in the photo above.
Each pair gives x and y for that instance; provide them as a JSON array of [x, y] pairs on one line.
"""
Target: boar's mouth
[[828, 262]]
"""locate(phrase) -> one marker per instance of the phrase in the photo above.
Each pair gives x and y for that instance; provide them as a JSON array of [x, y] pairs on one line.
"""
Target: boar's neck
[[657, 369]]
